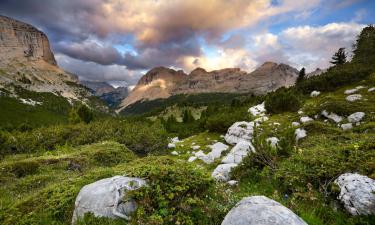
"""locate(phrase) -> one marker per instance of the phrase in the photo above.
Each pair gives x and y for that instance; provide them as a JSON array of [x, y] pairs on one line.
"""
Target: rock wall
[[23, 41]]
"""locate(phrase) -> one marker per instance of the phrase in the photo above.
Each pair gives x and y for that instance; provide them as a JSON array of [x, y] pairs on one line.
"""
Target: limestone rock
[[347, 126], [357, 193], [333, 116], [315, 93], [257, 110], [222, 171], [306, 119], [273, 141], [300, 133], [356, 117], [215, 153], [240, 131], [238, 152], [260, 210], [353, 98], [295, 124], [232, 182], [105, 198], [371, 89]]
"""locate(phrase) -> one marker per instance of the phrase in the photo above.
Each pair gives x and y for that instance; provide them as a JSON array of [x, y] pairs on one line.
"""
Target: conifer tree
[[339, 58]]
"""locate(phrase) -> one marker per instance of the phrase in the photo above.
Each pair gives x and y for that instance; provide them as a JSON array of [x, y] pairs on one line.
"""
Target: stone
[[260, 210], [300, 112], [357, 193], [371, 89], [174, 153], [222, 171], [333, 116], [306, 119], [273, 141], [351, 91], [261, 119], [353, 98], [258, 110], [315, 93], [215, 153], [240, 131], [105, 198], [238, 152], [300, 133], [195, 147], [232, 182], [295, 124], [171, 145], [356, 117], [347, 126], [192, 158]]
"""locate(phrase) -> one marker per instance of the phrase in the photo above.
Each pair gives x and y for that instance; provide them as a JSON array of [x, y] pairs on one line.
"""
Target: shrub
[[23, 168], [283, 100], [221, 119]]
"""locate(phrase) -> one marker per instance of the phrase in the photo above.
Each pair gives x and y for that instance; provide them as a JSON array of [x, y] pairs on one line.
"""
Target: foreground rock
[[357, 193], [260, 210], [356, 117], [240, 131], [222, 171], [105, 198]]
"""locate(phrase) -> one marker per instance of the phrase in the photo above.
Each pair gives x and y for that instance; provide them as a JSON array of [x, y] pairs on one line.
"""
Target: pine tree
[[364, 48], [339, 58], [301, 75], [187, 117]]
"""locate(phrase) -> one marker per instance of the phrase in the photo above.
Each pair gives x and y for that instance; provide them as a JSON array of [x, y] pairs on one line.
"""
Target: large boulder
[[240, 131], [356, 117], [105, 198], [357, 193], [260, 210]]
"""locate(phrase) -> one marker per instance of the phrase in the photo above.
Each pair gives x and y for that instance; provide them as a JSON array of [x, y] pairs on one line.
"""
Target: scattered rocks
[[173, 142], [333, 116], [258, 110], [30, 102], [273, 141], [261, 210], [347, 126], [315, 93], [238, 152], [306, 119], [105, 198], [210, 157], [353, 98], [300, 133], [222, 171], [357, 193], [240, 131], [356, 117]]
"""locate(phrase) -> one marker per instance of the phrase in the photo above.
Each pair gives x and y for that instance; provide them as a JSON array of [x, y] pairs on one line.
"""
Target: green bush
[[283, 100], [23, 168], [219, 120]]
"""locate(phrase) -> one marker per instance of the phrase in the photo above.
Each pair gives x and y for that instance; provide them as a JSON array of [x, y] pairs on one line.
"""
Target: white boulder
[[356, 117], [351, 91], [305, 119], [174, 153], [273, 141], [238, 152], [171, 145], [333, 116], [222, 171], [240, 131], [300, 133], [260, 210], [357, 193], [258, 110], [371, 89], [232, 182], [105, 198], [347, 126], [353, 98], [315, 93]]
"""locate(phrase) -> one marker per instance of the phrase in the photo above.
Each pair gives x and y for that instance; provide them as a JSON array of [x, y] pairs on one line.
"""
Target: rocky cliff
[[26, 60], [163, 82]]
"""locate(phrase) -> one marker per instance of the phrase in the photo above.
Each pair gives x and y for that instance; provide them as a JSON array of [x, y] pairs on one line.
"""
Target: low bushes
[[283, 100]]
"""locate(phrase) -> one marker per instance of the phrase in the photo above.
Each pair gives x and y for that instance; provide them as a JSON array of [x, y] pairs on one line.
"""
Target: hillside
[[163, 83]]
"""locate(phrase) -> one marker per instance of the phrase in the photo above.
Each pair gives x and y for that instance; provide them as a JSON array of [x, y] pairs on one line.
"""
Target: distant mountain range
[[111, 95]]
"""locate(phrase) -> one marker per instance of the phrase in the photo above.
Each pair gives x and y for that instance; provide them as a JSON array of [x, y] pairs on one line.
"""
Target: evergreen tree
[[339, 58], [80, 114], [187, 117], [301, 75], [364, 48]]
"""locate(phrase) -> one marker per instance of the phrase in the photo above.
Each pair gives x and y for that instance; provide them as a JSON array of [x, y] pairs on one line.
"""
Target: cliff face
[[21, 40], [162, 82], [26, 60]]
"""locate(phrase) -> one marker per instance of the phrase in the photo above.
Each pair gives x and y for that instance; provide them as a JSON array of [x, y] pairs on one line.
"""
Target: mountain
[[112, 96], [27, 62], [163, 82]]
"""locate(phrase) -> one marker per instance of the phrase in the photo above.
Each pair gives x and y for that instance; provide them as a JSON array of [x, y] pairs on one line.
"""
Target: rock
[[347, 126], [240, 131], [222, 171], [215, 153], [357, 193], [300, 112], [315, 93], [192, 158], [355, 97], [30, 102], [306, 119], [232, 182], [257, 110], [238, 152], [272, 141], [171, 145], [105, 198], [260, 210], [356, 117], [295, 124], [333, 116], [371, 89], [174, 153], [300, 133], [351, 91], [195, 147], [261, 119]]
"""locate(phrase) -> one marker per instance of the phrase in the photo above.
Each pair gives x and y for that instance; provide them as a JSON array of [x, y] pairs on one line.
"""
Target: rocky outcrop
[[163, 82], [21, 40], [105, 198], [260, 210], [357, 193], [26, 60]]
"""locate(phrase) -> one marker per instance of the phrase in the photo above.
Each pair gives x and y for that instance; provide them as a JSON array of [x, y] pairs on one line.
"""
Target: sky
[[119, 40]]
